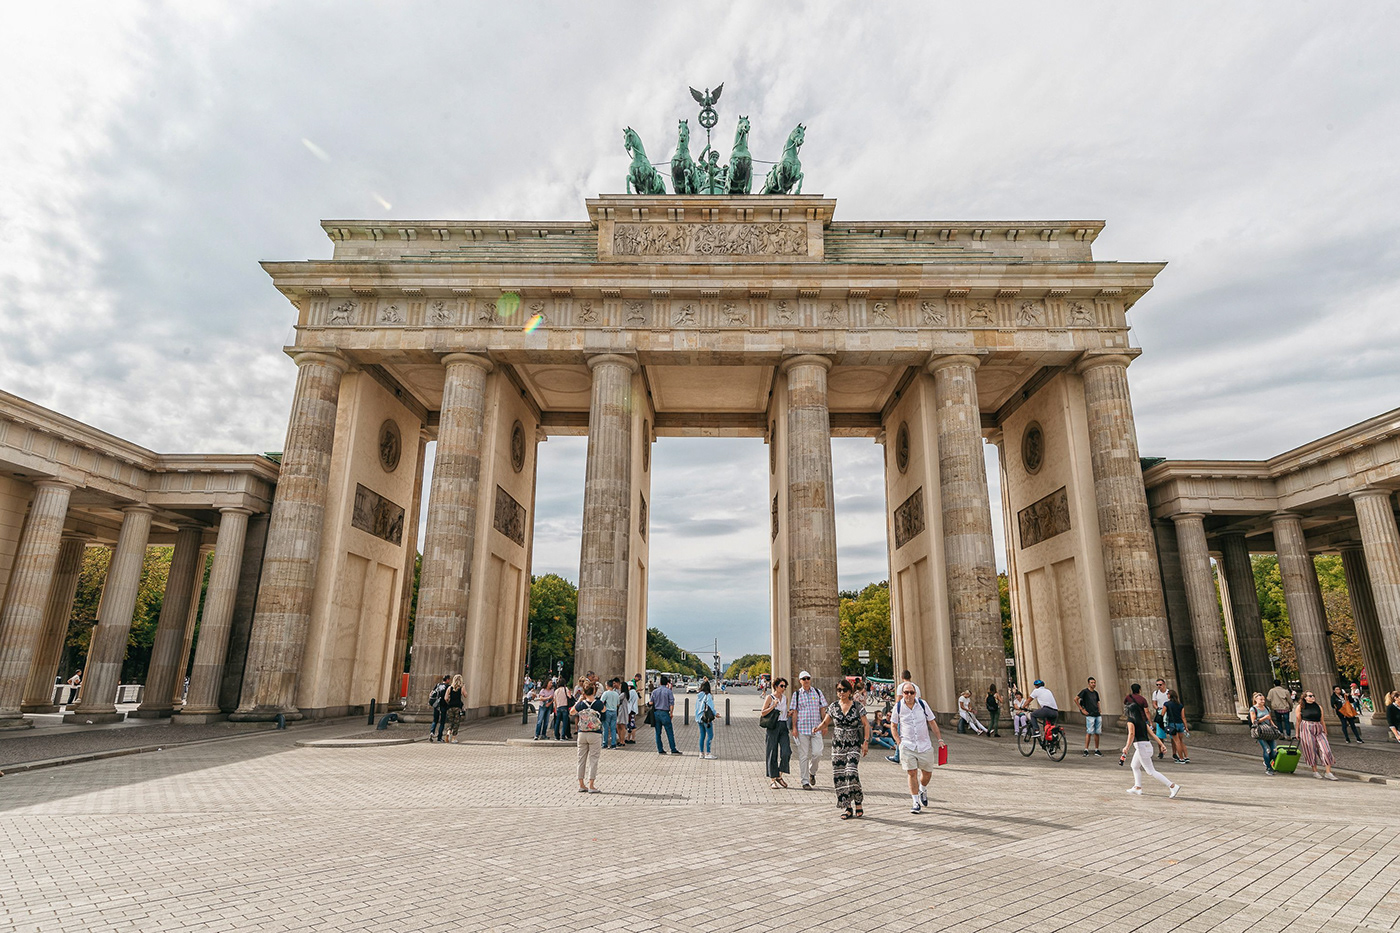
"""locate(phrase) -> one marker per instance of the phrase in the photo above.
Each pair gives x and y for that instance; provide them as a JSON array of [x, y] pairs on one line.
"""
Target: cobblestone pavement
[[256, 834]]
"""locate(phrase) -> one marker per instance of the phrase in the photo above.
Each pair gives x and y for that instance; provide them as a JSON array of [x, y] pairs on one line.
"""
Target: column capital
[[805, 359], [1371, 492], [325, 358], [941, 361], [612, 359], [1188, 517], [1095, 358], [137, 510], [235, 510], [53, 484], [476, 359], [75, 536], [1285, 515]]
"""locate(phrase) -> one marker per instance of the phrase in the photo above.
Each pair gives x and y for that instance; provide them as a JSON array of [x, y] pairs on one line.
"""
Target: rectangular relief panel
[[909, 519], [1044, 519], [377, 515], [509, 517]]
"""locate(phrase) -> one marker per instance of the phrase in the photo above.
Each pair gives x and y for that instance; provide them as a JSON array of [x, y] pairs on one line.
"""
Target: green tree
[[1336, 602], [865, 625], [150, 594], [1008, 643], [745, 663], [413, 605], [553, 619], [665, 655]]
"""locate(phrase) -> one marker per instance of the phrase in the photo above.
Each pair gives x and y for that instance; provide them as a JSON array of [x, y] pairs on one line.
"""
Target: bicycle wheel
[[1057, 746], [1025, 741]]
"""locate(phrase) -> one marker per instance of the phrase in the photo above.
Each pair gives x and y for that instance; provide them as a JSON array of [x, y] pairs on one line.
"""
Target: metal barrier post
[[371, 711], [685, 721], [726, 711]]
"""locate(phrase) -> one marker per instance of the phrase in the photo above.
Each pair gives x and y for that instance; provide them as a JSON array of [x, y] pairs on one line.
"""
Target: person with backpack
[[910, 720], [456, 709], [439, 711], [808, 707], [1264, 730], [993, 710], [588, 716], [705, 716]]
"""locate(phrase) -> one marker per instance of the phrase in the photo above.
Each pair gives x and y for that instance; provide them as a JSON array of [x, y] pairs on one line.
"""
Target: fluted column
[[1381, 539], [43, 671], [969, 552], [600, 642], [202, 701], [1207, 631], [107, 648], [1178, 617], [813, 600], [444, 588], [27, 598], [166, 654], [283, 614], [1141, 637], [1317, 665], [1379, 673], [1244, 610], [191, 623]]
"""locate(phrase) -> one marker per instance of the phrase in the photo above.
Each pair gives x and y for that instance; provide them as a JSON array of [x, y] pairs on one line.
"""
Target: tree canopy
[[865, 625]]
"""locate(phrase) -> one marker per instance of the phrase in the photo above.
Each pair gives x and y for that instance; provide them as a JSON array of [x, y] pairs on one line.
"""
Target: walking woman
[[1346, 713], [455, 707], [1392, 713], [705, 716], [850, 740], [588, 713], [1264, 730], [1174, 718], [994, 710], [778, 747], [1140, 746], [1312, 736]]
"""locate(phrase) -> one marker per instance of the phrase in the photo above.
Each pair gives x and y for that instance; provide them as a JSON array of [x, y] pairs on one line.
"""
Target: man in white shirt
[[910, 721], [1048, 710], [808, 709]]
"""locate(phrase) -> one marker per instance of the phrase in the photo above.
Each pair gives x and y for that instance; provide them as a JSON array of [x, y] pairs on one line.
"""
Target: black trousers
[[779, 750]]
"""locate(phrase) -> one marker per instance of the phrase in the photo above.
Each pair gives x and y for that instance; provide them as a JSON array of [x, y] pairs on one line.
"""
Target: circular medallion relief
[[390, 445], [1032, 448], [901, 447], [517, 447]]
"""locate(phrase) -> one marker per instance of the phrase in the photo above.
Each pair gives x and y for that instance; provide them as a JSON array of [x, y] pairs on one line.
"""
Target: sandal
[[782, 782], [847, 814], [859, 812], [773, 785]]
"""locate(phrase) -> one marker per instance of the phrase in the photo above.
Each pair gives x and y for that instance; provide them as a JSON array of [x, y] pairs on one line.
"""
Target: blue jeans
[[561, 723], [661, 719], [1267, 745], [439, 722], [609, 728], [707, 736], [1282, 718], [542, 722]]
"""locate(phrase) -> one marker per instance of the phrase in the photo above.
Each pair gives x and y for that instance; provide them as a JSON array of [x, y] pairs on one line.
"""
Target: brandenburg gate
[[701, 315]]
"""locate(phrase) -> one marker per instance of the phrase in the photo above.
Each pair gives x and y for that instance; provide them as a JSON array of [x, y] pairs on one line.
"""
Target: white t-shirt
[[899, 693], [1045, 698], [964, 704], [1160, 698], [913, 725]]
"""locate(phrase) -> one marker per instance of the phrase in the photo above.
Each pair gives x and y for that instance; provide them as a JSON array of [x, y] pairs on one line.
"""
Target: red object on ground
[[403, 687]]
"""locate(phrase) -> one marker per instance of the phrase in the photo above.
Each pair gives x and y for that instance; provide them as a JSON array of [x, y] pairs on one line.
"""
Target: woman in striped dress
[[1312, 736]]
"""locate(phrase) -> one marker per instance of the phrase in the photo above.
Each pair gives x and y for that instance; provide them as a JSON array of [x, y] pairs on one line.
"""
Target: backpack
[[707, 715], [589, 720], [435, 698]]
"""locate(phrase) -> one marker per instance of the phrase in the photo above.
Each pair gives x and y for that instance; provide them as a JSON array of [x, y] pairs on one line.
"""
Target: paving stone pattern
[[256, 834]]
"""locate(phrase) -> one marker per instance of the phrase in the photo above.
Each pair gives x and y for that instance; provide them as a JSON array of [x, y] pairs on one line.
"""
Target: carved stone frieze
[[377, 516], [682, 239], [909, 519], [509, 518], [1044, 519]]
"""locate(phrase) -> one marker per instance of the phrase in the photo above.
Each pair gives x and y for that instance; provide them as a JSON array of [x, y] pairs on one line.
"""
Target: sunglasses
[[909, 693], [804, 678]]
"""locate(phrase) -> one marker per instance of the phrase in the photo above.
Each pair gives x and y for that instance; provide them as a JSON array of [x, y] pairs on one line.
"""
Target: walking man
[[1088, 700], [662, 702], [910, 721], [1280, 702], [439, 709], [810, 708]]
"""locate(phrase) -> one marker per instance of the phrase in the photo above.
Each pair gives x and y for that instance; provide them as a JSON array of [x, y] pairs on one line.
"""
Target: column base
[[50, 708], [151, 713], [264, 714], [198, 717], [413, 715], [1223, 726], [16, 723], [92, 719]]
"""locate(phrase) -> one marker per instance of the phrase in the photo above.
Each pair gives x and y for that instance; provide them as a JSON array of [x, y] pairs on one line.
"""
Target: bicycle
[[1052, 739]]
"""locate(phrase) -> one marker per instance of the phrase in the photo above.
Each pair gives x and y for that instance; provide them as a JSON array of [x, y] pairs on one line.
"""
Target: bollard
[[726, 711], [685, 720], [281, 721], [371, 712], [384, 722], [525, 713]]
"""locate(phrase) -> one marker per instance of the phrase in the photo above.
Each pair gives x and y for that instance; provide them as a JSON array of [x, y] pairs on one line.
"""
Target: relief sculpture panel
[[376, 515], [909, 519], [1044, 518], [680, 239], [510, 517]]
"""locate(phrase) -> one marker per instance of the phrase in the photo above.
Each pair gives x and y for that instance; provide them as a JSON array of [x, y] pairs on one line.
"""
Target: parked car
[[692, 687]]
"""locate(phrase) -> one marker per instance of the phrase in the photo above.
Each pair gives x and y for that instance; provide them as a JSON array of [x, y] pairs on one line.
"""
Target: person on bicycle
[[1048, 710]]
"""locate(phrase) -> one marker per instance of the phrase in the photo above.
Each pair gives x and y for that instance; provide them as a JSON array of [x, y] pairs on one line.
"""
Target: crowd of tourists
[[1288, 724]]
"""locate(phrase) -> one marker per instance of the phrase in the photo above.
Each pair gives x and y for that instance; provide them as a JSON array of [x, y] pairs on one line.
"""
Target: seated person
[[880, 731]]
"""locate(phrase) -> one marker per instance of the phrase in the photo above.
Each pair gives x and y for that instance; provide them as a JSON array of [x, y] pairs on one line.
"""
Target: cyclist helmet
[[1038, 683]]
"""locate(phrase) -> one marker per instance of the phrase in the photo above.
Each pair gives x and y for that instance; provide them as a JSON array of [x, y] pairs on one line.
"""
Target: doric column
[[1238, 571], [1207, 631], [814, 620], [1381, 539], [1317, 665], [439, 630], [1141, 637], [166, 658], [1379, 673], [969, 553], [38, 695], [1178, 617], [283, 614], [177, 685], [107, 648], [202, 701], [27, 598], [600, 643]]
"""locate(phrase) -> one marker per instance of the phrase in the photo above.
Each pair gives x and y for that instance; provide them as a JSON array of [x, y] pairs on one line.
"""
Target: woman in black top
[[1346, 714], [452, 701], [1174, 719], [994, 709], [1312, 736], [1392, 713]]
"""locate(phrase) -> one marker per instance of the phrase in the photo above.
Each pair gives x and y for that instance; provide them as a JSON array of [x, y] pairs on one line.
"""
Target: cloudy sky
[[152, 154]]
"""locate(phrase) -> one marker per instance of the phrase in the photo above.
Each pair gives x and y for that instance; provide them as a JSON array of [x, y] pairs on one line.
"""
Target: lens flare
[[382, 201], [533, 323], [508, 304], [316, 150]]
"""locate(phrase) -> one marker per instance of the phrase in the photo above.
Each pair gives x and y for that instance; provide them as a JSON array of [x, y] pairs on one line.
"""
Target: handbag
[[1348, 710], [1263, 729], [769, 720], [649, 719]]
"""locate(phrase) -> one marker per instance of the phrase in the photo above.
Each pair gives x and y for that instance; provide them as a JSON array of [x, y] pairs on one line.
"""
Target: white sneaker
[[923, 797], [1174, 790], [916, 809], [1330, 776], [1135, 790], [1318, 775]]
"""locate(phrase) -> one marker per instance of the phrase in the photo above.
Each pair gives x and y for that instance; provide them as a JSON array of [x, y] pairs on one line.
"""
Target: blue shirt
[[663, 699]]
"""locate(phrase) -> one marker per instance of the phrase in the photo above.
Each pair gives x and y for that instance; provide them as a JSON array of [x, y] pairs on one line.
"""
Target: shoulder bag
[[769, 720]]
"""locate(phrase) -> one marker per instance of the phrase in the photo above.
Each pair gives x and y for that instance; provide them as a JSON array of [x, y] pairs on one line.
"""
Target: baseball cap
[[803, 675], [1038, 683]]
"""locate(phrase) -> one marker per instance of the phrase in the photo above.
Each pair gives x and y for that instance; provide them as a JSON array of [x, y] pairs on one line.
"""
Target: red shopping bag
[[942, 755]]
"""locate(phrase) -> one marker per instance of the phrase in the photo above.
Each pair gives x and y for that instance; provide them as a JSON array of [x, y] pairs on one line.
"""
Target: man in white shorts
[[910, 720]]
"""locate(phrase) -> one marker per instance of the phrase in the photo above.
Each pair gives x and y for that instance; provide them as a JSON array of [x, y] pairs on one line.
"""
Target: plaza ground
[[257, 832]]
